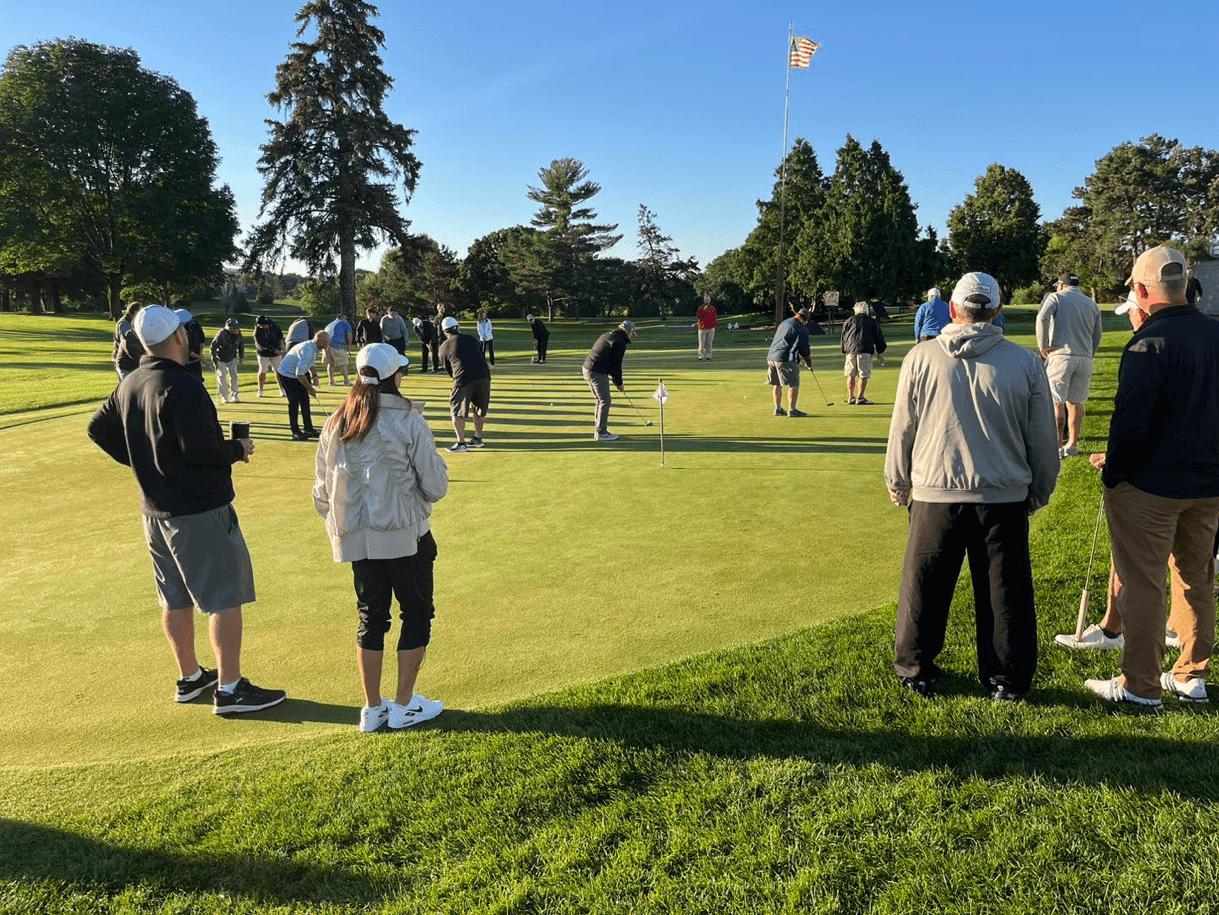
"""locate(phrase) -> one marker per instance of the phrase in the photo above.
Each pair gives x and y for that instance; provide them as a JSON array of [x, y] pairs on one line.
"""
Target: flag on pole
[[802, 51], [661, 395]]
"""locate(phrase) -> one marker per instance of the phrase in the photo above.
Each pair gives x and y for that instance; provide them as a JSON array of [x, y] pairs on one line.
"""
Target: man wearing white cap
[[1068, 336], [1161, 476], [931, 318], [603, 365], [972, 450], [463, 360], [161, 422]]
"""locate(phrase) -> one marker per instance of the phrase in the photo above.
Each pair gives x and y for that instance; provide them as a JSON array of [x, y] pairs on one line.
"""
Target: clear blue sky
[[679, 104]]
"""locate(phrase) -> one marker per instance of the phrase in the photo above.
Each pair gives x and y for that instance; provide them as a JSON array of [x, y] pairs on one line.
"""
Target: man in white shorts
[[1068, 336]]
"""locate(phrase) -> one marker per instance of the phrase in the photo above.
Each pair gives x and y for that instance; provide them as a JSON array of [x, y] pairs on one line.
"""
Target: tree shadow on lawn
[[1145, 763], [70, 365], [73, 863], [635, 438]]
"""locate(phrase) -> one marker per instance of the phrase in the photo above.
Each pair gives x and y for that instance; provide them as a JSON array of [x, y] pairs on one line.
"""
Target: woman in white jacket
[[378, 473], [486, 337]]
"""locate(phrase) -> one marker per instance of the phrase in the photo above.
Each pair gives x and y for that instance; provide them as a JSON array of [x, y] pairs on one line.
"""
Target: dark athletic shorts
[[200, 560], [474, 395]]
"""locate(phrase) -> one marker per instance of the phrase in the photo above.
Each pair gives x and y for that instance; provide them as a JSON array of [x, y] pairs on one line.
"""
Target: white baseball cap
[[155, 324], [449, 323], [416, 321], [982, 284], [382, 357], [1129, 305]]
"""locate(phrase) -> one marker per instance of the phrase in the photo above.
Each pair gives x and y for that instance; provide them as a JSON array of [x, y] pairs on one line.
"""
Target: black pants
[[409, 578], [298, 402], [996, 539], [489, 351], [424, 346], [542, 343], [398, 343]]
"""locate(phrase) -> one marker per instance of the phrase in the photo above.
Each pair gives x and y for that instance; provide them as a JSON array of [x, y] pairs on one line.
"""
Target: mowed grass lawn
[[651, 708]]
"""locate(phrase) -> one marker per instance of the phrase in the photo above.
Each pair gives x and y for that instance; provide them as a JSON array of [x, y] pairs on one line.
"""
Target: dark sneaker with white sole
[[1001, 693], [246, 698], [475, 442], [796, 413], [193, 687], [917, 685]]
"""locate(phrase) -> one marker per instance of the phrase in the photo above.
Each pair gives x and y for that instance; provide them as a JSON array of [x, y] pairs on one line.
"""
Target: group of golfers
[[979, 428]]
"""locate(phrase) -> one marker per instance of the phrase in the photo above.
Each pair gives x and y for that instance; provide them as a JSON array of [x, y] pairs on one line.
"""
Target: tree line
[[108, 191]]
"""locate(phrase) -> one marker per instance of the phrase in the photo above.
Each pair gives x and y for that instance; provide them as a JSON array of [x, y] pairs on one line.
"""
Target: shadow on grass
[[636, 438]]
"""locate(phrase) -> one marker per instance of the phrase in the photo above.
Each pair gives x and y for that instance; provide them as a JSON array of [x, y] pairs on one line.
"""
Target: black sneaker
[[312, 433], [475, 442], [246, 698], [457, 448], [191, 689], [300, 437], [779, 411], [1001, 693], [915, 685], [794, 412]]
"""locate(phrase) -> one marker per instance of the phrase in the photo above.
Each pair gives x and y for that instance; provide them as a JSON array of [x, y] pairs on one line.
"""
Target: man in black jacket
[[541, 337], [161, 422], [368, 330], [462, 358], [861, 337], [269, 347], [1161, 476], [604, 362], [426, 332]]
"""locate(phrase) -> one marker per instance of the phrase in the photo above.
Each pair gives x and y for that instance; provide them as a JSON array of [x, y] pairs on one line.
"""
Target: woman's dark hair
[[357, 414]]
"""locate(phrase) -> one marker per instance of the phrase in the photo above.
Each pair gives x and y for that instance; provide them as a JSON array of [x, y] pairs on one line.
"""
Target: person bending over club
[[377, 476], [541, 337], [787, 349], [161, 423], [463, 360], [603, 363], [861, 337], [972, 450], [295, 375]]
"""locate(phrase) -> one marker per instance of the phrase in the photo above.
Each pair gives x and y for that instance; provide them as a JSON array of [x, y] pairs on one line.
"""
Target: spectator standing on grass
[[1107, 634], [603, 365], [861, 337], [369, 329], [393, 330], [1161, 477], [541, 337], [377, 476], [161, 423], [462, 359], [1193, 288], [335, 356], [705, 321], [228, 348], [299, 331], [428, 344], [788, 348], [295, 376], [931, 317], [486, 336], [1068, 336], [269, 347], [194, 338], [972, 452], [127, 346]]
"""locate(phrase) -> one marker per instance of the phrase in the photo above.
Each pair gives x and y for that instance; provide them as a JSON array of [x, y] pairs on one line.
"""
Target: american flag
[[802, 52]]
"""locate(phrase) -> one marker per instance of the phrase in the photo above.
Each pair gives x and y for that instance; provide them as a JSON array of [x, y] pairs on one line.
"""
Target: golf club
[[813, 372], [646, 422], [1083, 598]]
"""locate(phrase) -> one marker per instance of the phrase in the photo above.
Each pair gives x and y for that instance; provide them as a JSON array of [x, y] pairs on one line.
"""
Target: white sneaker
[[1093, 637], [1192, 690], [417, 711], [1113, 691], [604, 437], [236, 399], [261, 394], [1172, 640], [373, 718]]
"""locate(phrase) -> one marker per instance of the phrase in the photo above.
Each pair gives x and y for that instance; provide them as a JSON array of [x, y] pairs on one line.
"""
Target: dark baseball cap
[[1068, 279]]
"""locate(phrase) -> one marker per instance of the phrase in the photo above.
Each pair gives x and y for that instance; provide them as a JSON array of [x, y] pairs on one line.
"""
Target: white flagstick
[[661, 395]]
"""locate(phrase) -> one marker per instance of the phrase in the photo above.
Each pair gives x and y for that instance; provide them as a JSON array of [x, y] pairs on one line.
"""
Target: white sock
[[229, 687], [196, 675]]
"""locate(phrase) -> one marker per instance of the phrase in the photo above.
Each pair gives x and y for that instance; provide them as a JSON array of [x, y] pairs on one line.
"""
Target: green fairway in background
[[561, 561]]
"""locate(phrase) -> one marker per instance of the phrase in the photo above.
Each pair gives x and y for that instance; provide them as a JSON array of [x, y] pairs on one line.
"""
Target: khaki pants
[[1152, 534], [704, 342]]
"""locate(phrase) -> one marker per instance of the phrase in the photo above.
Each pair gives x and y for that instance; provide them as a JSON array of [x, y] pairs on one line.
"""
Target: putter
[[1083, 598], [813, 372], [646, 422]]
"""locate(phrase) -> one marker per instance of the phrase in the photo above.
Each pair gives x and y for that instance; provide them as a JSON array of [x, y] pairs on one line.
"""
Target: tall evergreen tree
[[865, 244], [334, 164], [560, 261], [997, 230], [664, 276], [758, 262]]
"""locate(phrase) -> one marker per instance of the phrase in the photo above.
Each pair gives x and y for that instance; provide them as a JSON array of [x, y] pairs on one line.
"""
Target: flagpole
[[780, 272]]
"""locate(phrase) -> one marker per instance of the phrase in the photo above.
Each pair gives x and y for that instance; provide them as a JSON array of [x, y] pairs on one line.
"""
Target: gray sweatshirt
[[1069, 323], [973, 421], [394, 328]]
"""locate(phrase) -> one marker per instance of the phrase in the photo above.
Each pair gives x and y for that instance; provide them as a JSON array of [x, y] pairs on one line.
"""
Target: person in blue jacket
[[931, 318]]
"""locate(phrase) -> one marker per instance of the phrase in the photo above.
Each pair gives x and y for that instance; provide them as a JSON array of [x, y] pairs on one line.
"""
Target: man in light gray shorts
[[161, 422], [1068, 336]]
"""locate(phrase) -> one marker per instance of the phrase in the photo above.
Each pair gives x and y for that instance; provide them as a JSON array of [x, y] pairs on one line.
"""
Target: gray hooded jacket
[[973, 421]]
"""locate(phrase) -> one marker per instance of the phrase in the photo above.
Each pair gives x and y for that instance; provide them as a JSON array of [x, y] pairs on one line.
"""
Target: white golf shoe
[[1192, 690], [417, 711], [1114, 691], [373, 718], [1093, 638]]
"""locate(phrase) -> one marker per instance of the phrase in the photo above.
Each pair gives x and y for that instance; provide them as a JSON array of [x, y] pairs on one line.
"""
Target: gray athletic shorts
[[200, 560], [783, 373], [1070, 377], [472, 396]]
